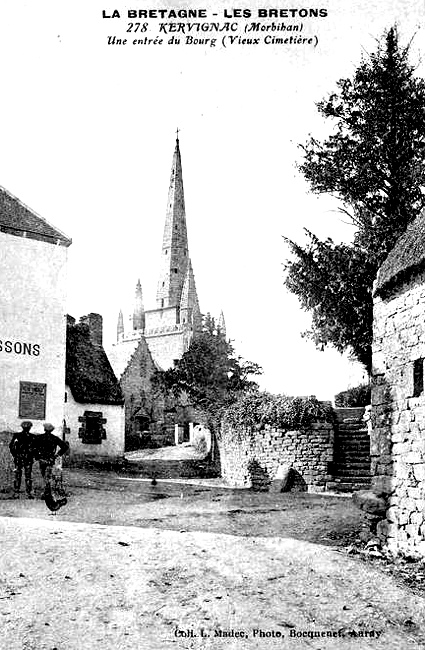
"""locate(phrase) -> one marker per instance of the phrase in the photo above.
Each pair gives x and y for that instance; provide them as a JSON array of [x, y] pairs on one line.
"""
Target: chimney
[[95, 325]]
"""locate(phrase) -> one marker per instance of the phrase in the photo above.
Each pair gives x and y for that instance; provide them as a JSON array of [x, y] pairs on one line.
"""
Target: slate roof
[[19, 220], [406, 258], [89, 374]]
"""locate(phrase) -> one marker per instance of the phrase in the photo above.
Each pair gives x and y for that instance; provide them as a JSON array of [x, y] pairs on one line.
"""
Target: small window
[[418, 377], [175, 270], [92, 431]]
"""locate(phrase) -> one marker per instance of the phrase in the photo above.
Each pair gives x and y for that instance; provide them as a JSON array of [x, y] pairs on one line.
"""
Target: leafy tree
[[373, 162], [209, 373]]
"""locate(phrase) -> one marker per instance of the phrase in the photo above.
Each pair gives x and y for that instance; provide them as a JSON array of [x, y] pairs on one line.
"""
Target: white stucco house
[[94, 404], [33, 259]]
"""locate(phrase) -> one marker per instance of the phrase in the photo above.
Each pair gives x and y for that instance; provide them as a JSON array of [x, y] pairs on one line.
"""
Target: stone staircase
[[351, 466]]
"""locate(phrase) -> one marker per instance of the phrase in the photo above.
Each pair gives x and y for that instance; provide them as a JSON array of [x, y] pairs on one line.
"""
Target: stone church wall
[[398, 415], [252, 458], [166, 347], [160, 318]]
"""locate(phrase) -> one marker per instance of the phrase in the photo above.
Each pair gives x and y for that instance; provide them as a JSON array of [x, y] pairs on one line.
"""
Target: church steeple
[[175, 253], [138, 312], [222, 324], [120, 325], [189, 306]]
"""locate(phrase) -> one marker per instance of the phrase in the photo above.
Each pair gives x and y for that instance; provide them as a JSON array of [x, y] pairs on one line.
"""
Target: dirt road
[[190, 569]]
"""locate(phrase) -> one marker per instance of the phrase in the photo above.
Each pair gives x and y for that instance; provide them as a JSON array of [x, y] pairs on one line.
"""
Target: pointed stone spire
[[189, 306], [138, 312], [120, 326], [222, 324], [175, 254]]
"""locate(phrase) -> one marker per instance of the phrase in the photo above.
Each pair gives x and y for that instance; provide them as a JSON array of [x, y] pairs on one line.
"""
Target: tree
[[373, 162], [209, 373]]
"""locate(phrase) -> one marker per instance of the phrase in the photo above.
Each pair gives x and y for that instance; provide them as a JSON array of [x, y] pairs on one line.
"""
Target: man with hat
[[48, 448], [22, 449]]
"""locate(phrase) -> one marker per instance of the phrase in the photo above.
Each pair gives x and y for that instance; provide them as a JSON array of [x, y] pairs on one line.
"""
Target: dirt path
[[69, 584]]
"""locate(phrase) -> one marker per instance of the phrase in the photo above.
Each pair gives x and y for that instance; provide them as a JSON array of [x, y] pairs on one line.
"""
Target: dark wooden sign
[[32, 400]]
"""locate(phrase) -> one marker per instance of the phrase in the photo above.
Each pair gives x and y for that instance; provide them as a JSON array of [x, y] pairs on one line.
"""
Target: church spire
[[138, 312], [174, 258], [222, 324], [189, 306], [120, 326]]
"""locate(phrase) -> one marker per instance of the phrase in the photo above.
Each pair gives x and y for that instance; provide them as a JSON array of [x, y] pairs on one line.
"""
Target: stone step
[[352, 428], [353, 480], [352, 456], [360, 433], [346, 486], [343, 461], [362, 472], [349, 413], [354, 466], [352, 452], [352, 442]]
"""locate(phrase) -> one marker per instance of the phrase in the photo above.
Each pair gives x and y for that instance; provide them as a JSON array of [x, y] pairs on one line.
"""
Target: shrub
[[257, 410], [356, 396]]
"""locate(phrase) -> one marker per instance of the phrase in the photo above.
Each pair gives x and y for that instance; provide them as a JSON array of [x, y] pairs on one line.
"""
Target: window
[[418, 377], [91, 431]]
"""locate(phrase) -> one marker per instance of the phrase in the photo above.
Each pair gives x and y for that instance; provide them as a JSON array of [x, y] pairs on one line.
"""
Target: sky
[[87, 138]]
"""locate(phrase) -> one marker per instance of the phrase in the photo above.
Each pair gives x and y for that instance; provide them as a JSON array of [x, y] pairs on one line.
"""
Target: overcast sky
[[88, 133]]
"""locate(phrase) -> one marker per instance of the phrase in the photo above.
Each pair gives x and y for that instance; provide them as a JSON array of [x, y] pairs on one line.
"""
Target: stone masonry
[[251, 458], [398, 413]]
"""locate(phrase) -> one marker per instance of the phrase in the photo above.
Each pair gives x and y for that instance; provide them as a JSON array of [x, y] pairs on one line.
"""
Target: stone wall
[[252, 458], [398, 415]]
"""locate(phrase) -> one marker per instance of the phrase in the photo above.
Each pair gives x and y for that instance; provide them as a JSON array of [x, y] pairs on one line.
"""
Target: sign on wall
[[32, 400]]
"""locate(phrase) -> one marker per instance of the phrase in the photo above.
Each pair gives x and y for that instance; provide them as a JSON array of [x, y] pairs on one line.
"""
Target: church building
[[158, 337]]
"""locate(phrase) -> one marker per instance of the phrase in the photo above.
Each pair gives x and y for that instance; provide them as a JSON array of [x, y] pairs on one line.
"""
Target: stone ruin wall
[[398, 417], [251, 458]]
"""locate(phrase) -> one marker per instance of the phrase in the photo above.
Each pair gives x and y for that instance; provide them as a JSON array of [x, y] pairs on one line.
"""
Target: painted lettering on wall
[[20, 347]]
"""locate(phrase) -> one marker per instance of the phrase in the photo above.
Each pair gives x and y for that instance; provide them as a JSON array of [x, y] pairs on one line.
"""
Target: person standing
[[48, 448], [22, 449]]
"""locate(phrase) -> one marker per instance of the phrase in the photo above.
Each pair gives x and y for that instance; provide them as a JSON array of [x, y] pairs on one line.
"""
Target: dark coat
[[22, 446], [46, 446]]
